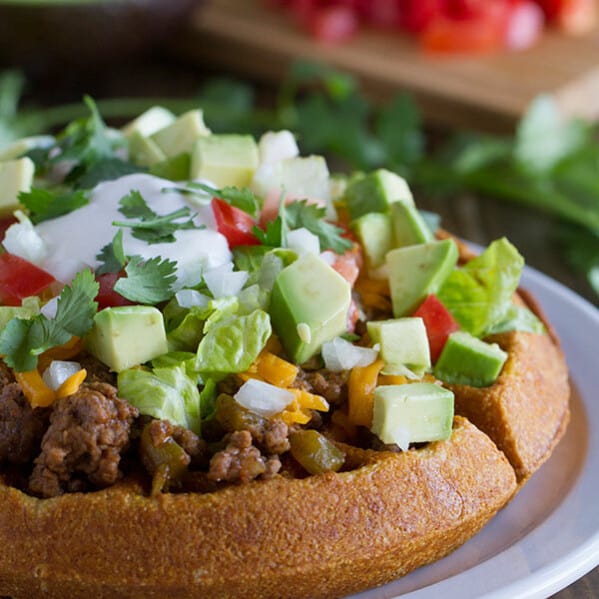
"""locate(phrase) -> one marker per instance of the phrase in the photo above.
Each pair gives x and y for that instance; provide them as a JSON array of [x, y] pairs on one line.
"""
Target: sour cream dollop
[[74, 240]]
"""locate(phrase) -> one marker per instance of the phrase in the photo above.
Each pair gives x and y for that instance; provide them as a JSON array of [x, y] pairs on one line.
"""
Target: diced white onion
[[49, 308], [277, 145], [188, 298], [328, 257], [339, 354], [303, 242], [21, 239], [224, 282], [262, 398], [58, 372]]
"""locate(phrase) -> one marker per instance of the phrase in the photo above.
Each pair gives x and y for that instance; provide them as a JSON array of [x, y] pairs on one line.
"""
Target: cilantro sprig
[[243, 198], [312, 217], [150, 226], [146, 282], [301, 214], [44, 204], [22, 341]]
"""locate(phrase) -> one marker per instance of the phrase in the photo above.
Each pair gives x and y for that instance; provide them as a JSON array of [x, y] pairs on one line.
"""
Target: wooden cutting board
[[489, 92]]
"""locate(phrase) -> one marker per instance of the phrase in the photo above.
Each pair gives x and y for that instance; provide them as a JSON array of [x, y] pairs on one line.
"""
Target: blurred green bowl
[[46, 36]]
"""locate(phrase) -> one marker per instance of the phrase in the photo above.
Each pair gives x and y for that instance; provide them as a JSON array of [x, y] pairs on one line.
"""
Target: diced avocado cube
[[375, 232], [467, 360], [29, 308], [308, 306], [375, 192], [181, 135], [412, 413], [126, 336], [149, 122], [175, 169], [144, 151], [15, 176], [21, 146], [225, 160], [409, 228], [403, 342], [299, 178], [416, 271]]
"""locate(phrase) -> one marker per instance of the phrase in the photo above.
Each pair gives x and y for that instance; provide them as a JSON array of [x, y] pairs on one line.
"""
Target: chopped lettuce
[[517, 318], [479, 295], [186, 326], [232, 345], [166, 392]]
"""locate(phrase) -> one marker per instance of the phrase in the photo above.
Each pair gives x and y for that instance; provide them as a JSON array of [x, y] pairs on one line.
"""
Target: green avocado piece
[[409, 228], [181, 135], [375, 232], [126, 336], [29, 308], [15, 176], [416, 271], [403, 342], [467, 360], [375, 192], [226, 160], [308, 306], [150, 121], [175, 168], [144, 151], [21, 146], [412, 413]]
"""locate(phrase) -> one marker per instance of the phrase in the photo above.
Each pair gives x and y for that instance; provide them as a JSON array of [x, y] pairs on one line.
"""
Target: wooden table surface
[[477, 219]]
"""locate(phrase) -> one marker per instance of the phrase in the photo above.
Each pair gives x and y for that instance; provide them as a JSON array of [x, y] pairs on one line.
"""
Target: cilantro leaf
[[106, 169], [133, 205], [309, 216], [148, 281], [112, 255], [152, 227], [243, 198], [44, 204], [22, 341], [275, 234]]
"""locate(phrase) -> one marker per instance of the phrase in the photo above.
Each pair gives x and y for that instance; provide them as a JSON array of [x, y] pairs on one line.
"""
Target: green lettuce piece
[[186, 326], [166, 393], [517, 318], [208, 398], [479, 295], [232, 345]]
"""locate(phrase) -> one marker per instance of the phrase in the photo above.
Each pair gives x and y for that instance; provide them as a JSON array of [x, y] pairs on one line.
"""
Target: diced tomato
[[333, 24], [439, 324], [20, 278], [352, 316], [525, 24], [235, 224], [4, 224], [416, 15], [572, 16], [472, 35], [107, 297], [348, 264]]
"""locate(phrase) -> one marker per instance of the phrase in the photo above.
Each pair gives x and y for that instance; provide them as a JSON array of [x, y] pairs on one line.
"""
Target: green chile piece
[[315, 452], [166, 463]]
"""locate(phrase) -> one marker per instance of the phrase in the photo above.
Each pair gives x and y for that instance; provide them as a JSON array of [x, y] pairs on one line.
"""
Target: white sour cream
[[74, 240]]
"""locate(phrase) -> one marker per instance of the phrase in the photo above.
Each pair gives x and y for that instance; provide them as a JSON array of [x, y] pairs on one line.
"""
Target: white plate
[[548, 536]]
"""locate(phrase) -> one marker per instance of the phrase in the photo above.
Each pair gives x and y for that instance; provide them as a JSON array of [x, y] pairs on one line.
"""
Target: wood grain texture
[[489, 92]]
